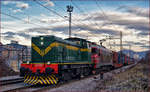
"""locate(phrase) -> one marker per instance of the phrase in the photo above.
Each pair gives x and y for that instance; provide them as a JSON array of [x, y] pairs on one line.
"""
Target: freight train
[[54, 59]]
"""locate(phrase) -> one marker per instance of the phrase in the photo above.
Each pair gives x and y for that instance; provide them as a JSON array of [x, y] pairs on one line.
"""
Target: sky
[[93, 20]]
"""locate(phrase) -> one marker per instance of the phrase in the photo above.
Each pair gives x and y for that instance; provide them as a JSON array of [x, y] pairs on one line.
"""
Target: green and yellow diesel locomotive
[[54, 59]]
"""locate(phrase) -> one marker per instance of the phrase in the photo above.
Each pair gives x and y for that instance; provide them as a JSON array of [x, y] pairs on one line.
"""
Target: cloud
[[8, 2], [135, 10], [135, 43], [18, 4], [9, 33], [127, 19], [143, 33], [49, 3], [145, 47], [135, 27], [17, 10], [13, 34], [22, 5]]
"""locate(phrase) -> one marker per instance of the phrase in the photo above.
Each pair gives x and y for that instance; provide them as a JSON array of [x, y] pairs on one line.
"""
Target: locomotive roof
[[75, 39], [60, 40]]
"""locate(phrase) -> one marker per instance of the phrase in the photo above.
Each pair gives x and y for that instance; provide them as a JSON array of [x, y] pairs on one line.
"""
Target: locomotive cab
[[51, 57]]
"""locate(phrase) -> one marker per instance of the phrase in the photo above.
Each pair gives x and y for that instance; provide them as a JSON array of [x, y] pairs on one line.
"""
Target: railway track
[[13, 87], [18, 85], [11, 81]]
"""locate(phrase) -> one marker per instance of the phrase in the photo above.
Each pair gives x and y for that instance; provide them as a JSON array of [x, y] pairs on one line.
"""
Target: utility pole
[[109, 42], [120, 43], [69, 10], [129, 50], [0, 25]]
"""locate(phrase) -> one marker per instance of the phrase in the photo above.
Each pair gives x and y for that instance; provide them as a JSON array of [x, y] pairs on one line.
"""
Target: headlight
[[42, 38], [48, 62], [42, 43], [28, 62]]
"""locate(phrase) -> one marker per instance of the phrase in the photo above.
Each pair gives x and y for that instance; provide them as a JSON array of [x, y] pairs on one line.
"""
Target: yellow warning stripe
[[47, 49], [25, 76], [26, 79], [53, 79], [43, 80], [88, 50], [29, 79], [36, 80], [40, 81], [33, 78], [56, 44], [47, 80], [50, 79], [37, 49]]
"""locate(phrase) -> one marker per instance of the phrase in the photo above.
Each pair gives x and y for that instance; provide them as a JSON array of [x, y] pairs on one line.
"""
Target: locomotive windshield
[[94, 50]]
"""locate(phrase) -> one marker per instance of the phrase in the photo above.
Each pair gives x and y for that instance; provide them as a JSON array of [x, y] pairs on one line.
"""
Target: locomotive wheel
[[87, 71], [66, 76]]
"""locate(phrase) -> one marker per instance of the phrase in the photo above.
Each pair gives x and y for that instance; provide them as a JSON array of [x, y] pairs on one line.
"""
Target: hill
[[133, 54]]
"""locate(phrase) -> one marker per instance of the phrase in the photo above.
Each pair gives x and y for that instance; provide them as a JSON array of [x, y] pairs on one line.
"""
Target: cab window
[[94, 50]]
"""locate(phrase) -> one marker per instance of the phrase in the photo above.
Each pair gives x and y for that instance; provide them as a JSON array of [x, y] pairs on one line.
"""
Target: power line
[[81, 11], [104, 14], [100, 9], [6, 27], [30, 22], [55, 12], [19, 19], [23, 13], [49, 9], [59, 7], [88, 16], [97, 26], [65, 11]]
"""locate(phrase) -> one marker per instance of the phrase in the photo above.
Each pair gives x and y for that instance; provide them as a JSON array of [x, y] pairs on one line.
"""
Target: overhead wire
[[72, 15], [65, 11], [19, 19], [42, 6], [49, 9], [57, 13], [30, 22], [23, 13], [104, 14], [81, 11], [84, 13]]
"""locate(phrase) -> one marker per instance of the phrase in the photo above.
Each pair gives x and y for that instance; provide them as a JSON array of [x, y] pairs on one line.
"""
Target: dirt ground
[[132, 80]]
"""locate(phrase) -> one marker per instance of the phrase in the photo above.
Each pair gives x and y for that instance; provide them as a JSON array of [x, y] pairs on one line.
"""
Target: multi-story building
[[14, 53]]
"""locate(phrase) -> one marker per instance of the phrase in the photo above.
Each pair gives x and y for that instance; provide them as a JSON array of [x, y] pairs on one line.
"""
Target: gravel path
[[93, 84]]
